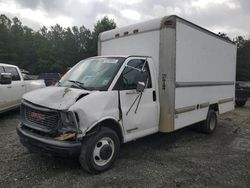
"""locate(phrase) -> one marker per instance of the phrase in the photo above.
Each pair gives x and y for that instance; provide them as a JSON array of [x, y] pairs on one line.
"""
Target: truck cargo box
[[195, 67]]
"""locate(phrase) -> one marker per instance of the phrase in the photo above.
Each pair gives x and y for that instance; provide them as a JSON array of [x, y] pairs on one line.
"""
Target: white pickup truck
[[172, 74], [13, 86]]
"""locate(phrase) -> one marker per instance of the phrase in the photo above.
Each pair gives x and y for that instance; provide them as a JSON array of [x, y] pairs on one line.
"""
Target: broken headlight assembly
[[68, 127], [69, 122]]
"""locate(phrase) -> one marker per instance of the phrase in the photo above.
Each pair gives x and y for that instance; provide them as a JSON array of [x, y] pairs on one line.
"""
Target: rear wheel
[[240, 103], [210, 124], [99, 151]]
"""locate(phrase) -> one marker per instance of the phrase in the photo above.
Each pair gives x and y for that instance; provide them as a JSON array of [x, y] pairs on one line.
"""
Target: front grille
[[38, 117]]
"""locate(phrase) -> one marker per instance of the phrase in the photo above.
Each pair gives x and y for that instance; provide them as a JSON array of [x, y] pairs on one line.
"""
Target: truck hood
[[59, 98]]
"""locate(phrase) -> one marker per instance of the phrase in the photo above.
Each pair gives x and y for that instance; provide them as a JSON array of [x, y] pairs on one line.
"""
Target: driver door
[[139, 110]]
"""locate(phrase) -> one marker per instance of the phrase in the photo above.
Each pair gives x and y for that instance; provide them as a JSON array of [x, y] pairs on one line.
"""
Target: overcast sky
[[229, 16]]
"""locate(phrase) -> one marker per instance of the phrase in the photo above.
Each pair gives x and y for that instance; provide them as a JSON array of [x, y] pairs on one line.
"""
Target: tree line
[[243, 59], [55, 49]]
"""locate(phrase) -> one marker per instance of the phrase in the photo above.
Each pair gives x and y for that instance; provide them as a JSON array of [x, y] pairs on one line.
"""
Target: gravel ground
[[181, 159]]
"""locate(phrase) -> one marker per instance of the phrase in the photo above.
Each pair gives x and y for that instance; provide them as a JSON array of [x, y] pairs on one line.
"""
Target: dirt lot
[[181, 159]]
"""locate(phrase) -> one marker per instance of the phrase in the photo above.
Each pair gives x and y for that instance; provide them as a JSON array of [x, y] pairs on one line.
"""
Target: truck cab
[[114, 93]]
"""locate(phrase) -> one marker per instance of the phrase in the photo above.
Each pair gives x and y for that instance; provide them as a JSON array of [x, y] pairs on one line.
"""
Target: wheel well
[[114, 125], [110, 123], [214, 107]]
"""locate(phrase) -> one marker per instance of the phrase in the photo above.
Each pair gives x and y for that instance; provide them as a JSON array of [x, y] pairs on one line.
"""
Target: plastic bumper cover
[[48, 146]]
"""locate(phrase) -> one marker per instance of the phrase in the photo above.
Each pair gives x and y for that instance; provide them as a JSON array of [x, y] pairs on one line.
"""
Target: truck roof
[[152, 25], [125, 56], [7, 65]]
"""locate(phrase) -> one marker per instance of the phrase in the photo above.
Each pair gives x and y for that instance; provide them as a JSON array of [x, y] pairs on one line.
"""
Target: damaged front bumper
[[47, 145]]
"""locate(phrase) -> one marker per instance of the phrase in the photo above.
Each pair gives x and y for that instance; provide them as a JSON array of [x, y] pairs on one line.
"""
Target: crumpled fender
[[95, 108]]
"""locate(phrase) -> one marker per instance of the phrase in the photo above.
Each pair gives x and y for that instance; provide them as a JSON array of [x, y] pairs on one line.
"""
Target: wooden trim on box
[[201, 84], [185, 109], [222, 101], [204, 105]]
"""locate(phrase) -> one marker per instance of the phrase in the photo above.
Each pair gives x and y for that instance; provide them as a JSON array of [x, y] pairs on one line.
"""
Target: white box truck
[[159, 75]]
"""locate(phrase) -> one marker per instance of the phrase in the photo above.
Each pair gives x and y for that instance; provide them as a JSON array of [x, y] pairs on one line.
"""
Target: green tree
[[240, 41], [102, 25], [51, 49], [5, 38], [243, 61]]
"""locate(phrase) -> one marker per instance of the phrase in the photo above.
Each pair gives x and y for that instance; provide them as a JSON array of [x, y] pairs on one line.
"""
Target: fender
[[92, 126]]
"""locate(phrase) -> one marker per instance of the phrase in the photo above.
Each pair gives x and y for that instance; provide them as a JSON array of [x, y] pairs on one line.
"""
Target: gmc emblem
[[37, 116]]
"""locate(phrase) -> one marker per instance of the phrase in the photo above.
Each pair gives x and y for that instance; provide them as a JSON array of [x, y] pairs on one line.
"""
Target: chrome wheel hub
[[212, 122], [103, 151]]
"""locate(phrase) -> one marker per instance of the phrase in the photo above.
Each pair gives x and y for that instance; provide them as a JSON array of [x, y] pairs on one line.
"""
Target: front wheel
[[99, 151]]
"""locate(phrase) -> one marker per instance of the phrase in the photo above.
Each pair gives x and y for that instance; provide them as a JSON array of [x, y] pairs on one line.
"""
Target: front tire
[[99, 151], [210, 124]]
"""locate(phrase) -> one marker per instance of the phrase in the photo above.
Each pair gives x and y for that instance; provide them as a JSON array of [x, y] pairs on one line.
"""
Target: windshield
[[93, 73]]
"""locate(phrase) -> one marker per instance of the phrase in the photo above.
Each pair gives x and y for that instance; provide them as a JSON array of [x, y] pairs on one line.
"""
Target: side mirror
[[5, 78], [140, 87]]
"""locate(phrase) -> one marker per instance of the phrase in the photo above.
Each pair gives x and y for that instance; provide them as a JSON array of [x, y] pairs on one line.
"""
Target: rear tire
[[99, 151], [210, 124], [240, 103]]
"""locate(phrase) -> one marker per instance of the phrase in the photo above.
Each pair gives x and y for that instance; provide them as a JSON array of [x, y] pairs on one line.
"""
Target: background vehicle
[[27, 76], [13, 86], [50, 78], [242, 93], [181, 74]]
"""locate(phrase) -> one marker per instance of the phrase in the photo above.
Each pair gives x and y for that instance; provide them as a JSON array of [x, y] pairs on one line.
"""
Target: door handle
[[23, 85], [8, 86], [154, 95], [131, 92]]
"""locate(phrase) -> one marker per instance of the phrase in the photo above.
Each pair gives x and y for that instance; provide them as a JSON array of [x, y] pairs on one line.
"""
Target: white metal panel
[[150, 25], [142, 44], [203, 57], [191, 117], [189, 96], [188, 118]]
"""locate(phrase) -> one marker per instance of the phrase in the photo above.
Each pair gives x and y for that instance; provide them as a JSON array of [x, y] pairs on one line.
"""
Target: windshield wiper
[[78, 84]]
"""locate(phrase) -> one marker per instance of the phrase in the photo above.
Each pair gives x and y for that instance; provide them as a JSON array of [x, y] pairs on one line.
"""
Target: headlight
[[68, 121]]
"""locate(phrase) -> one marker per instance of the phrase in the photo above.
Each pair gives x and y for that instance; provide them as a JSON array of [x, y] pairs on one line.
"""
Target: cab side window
[[137, 70], [15, 75]]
